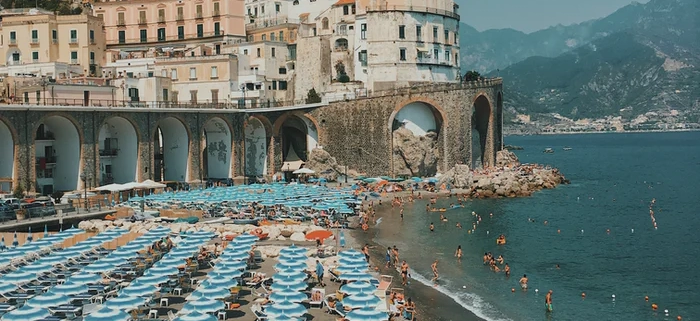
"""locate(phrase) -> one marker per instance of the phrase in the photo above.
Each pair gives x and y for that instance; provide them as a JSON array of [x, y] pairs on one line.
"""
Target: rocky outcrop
[[515, 181], [415, 155], [324, 164], [459, 176], [506, 158]]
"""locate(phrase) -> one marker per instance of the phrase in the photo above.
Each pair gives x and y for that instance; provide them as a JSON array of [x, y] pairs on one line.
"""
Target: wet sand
[[431, 304]]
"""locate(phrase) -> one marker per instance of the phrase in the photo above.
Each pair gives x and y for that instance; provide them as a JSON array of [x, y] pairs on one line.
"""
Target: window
[[216, 9], [402, 32], [35, 56], [435, 34], [282, 85], [292, 52], [142, 17], [362, 57], [54, 35], [13, 37], [283, 71], [144, 35], [217, 28], [92, 57], [199, 11], [274, 85], [165, 93], [164, 73], [122, 36], [35, 36], [251, 38], [353, 9], [161, 15], [436, 54], [174, 96], [73, 36], [101, 17], [456, 57], [193, 73], [92, 36], [447, 36], [173, 74], [217, 49], [15, 57], [180, 32], [273, 52], [272, 36], [215, 96], [363, 31], [419, 34], [447, 55], [324, 23], [263, 38], [180, 13], [281, 35], [346, 10], [245, 52], [200, 30], [120, 19], [193, 96], [258, 52], [402, 54], [74, 57], [161, 34], [214, 72], [277, 7]]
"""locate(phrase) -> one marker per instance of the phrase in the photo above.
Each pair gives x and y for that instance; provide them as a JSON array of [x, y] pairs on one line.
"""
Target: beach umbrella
[[235, 256], [352, 269], [196, 316], [290, 296], [69, 288], [296, 266], [51, 259], [219, 282], [231, 265], [18, 277], [138, 290], [153, 279], [73, 231], [352, 253], [285, 308], [171, 261], [352, 260], [355, 288], [293, 250], [366, 314], [46, 230], [2, 244], [203, 293], [125, 302], [293, 256], [284, 317], [288, 286], [161, 270], [49, 299], [226, 273], [288, 275], [85, 278], [7, 287], [247, 237], [204, 306], [15, 241], [355, 276], [113, 260], [36, 268], [30, 236], [107, 313], [361, 301], [99, 267], [26, 313]]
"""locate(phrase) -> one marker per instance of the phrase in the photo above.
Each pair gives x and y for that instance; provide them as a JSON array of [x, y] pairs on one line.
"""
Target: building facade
[[143, 23], [45, 44]]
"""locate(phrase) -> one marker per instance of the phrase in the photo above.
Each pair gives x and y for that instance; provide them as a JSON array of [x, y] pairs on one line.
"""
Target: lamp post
[[243, 89], [83, 177]]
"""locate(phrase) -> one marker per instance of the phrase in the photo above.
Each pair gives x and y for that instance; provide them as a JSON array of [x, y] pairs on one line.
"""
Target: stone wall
[[315, 70]]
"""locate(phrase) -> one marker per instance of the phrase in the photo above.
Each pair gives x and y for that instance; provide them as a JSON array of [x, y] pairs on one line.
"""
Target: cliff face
[[415, 155]]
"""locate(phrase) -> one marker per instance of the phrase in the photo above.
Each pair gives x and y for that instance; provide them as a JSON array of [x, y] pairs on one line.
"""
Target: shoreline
[[610, 132], [431, 303]]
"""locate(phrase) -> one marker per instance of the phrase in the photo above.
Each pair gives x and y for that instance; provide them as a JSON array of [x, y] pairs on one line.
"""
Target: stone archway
[[7, 158], [172, 150], [57, 150], [118, 150], [216, 156], [415, 130], [256, 138], [499, 121], [481, 116]]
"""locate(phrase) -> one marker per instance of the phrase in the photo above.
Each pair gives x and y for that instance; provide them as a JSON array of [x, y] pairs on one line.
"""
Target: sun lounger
[[317, 292], [384, 284], [334, 276], [259, 314]]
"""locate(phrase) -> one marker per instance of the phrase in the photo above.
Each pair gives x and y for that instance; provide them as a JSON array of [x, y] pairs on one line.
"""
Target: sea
[[598, 230]]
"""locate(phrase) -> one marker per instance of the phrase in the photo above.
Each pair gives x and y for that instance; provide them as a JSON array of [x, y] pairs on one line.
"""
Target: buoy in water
[[613, 297], [487, 232], [632, 230], [654, 306], [464, 286], [537, 290], [666, 311], [646, 298], [581, 231], [608, 231], [583, 295], [558, 231]]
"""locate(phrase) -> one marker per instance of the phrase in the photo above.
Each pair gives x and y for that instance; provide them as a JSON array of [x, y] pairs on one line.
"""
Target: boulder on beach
[[415, 155], [459, 176], [298, 237], [506, 158], [325, 165]]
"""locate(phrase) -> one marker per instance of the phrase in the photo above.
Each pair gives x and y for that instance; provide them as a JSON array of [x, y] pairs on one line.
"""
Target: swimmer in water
[[432, 227], [507, 269], [435, 271], [500, 259], [486, 258], [459, 225], [548, 301], [458, 253], [523, 282]]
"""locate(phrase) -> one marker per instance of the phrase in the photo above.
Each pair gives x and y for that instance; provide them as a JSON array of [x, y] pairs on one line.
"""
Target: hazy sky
[[533, 15]]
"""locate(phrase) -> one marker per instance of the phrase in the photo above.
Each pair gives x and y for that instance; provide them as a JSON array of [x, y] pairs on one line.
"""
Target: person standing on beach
[[396, 256], [458, 253], [388, 257], [401, 212], [319, 273], [548, 301], [436, 275], [365, 251], [404, 273]]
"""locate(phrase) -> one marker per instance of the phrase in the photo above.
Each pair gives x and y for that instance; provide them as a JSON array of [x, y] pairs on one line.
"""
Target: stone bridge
[[52, 148]]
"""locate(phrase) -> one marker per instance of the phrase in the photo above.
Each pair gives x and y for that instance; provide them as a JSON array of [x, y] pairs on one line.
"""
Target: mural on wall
[[219, 150], [255, 148]]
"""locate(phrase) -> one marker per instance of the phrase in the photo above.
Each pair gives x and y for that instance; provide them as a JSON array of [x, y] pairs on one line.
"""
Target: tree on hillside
[[471, 75], [312, 97], [58, 6]]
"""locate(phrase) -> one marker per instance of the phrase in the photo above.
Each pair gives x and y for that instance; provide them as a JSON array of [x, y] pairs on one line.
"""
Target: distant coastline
[[605, 132]]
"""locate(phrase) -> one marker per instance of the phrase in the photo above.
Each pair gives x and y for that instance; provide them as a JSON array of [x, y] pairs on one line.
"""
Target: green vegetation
[[471, 76], [312, 97], [58, 6], [18, 192]]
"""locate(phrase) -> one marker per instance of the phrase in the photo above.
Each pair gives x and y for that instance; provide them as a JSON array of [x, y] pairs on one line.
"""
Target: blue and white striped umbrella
[[232, 265], [138, 290], [133, 247], [293, 250], [352, 253], [219, 282], [46, 230], [99, 267], [355, 276], [189, 247], [30, 236], [26, 313], [204, 306], [296, 266], [247, 237], [196, 316], [153, 279], [285, 308], [2, 244], [300, 286], [290, 275], [18, 277], [49, 299], [367, 314], [70, 288], [354, 288], [290, 296], [126, 302], [203, 293], [352, 269], [52, 259], [234, 256], [284, 317], [227, 273], [85, 278], [352, 260], [162, 270], [73, 230], [36, 268], [286, 260], [7, 287], [107, 313], [113, 260], [243, 242], [361, 301], [171, 261], [15, 241]]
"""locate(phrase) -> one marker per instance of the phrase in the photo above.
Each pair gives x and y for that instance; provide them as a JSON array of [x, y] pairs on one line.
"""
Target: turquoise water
[[614, 177]]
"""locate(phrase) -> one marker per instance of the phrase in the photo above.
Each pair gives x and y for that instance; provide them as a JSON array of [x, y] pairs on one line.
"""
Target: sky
[[533, 15]]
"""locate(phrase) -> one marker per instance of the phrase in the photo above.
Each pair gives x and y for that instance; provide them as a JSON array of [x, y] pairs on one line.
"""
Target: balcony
[[180, 17], [54, 41], [143, 21], [382, 8], [45, 160], [260, 24], [73, 41], [121, 23], [13, 42], [107, 179], [198, 15], [161, 19], [46, 136], [74, 62], [111, 152], [92, 41], [35, 41], [216, 13]]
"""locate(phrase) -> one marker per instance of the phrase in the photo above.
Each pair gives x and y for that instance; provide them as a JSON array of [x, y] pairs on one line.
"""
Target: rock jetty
[[509, 179]]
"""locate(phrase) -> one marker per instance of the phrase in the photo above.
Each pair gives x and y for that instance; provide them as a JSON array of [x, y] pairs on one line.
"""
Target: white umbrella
[[151, 184], [107, 313], [111, 188], [303, 171]]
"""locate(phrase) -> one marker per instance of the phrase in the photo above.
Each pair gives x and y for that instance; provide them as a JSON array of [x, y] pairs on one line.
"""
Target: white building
[[262, 73]]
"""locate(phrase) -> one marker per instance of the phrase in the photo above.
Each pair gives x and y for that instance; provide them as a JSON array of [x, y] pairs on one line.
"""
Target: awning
[[292, 161]]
